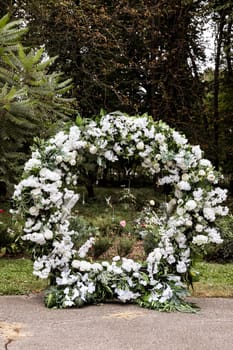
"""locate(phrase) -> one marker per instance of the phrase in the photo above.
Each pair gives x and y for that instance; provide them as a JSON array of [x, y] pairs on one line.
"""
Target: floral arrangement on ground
[[46, 194]]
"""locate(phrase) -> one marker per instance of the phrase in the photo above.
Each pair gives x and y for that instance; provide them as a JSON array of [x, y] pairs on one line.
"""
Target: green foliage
[[222, 253], [30, 97], [83, 230], [10, 244], [140, 56], [125, 245], [101, 245]]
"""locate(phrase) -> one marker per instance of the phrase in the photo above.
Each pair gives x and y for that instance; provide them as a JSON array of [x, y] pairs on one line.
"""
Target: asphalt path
[[26, 324]]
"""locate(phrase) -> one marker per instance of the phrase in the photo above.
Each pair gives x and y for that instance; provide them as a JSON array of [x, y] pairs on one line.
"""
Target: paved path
[[25, 324]]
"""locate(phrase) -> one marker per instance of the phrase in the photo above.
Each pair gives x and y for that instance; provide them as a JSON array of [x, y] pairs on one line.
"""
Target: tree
[[30, 98], [220, 87], [135, 55]]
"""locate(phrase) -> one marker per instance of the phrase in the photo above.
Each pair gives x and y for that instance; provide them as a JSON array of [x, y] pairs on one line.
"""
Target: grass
[[216, 280], [16, 277]]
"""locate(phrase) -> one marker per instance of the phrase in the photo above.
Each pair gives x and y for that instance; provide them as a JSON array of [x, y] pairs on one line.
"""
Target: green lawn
[[16, 277], [216, 280]]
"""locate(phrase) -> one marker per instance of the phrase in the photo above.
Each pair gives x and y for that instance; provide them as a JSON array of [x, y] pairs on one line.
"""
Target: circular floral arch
[[46, 196]]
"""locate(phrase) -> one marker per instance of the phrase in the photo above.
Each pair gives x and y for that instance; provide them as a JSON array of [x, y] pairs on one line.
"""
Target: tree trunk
[[219, 40]]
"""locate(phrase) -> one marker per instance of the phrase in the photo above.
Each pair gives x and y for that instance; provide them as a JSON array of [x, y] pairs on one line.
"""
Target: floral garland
[[45, 199]]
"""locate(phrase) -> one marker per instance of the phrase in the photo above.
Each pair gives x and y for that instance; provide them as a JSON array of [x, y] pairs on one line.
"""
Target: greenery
[[31, 98], [216, 280], [223, 252], [142, 57], [17, 277]]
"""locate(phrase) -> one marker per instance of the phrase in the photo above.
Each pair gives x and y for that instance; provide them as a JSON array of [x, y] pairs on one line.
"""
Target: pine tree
[[30, 98]]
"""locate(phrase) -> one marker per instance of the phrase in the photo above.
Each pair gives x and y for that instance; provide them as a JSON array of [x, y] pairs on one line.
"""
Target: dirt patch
[[11, 332]]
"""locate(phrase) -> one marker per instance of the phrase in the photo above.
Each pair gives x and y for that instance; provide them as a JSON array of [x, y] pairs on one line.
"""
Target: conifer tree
[[30, 98]]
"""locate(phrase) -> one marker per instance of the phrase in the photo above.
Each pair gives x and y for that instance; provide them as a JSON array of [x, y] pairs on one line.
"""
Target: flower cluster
[[45, 197]]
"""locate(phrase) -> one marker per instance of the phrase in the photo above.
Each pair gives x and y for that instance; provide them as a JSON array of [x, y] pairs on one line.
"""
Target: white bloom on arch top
[[46, 195]]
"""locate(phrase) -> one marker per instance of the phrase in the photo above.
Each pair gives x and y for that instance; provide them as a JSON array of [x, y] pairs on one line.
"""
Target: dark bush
[[222, 253]]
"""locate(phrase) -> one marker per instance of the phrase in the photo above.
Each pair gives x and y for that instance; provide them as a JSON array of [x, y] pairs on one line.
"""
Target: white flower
[[83, 250], [93, 149], [209, 213], [152, 202], [36, 192], [167, 294], [190, 205], [184, 186], [199, 228], [197, 151], [188, 223], [201, 172], [75, 264], [198, 194], [185, 177], [200, 240], [214, 235], [32, 164], [50, 175], [140, 146], [181, 267], [126, 295], [116, 258], [180, 211], [179, 139], [59, 159], [211, 176], [109, 155], [34, 211], [205, 162], [159, 137], [48, 234]]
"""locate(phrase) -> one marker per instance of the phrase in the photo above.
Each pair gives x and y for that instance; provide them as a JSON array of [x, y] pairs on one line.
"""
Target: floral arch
[[46, 196]]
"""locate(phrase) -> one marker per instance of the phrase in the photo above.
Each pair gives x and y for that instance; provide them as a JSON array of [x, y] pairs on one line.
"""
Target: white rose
[[205, 162], [190, 205], [93, 149], [48, 234], [140, 146], [59, 159], [199, 228], [184, 186], [180, 211], [211, 177], [73, 162], [75, 264], [188, 223], [209, 214], [34, 211], [201, 172]]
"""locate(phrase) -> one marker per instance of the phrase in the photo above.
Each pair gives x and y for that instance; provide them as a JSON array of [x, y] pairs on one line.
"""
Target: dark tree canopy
[[135, 56]]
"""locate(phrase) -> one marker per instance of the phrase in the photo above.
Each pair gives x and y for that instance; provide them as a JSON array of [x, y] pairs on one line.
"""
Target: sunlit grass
[[16, 277], [216, 280]]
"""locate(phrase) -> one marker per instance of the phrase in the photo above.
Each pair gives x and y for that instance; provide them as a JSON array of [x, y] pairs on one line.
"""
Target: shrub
[[125, 246], [101, 245], [9, 235], [223, 252]]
